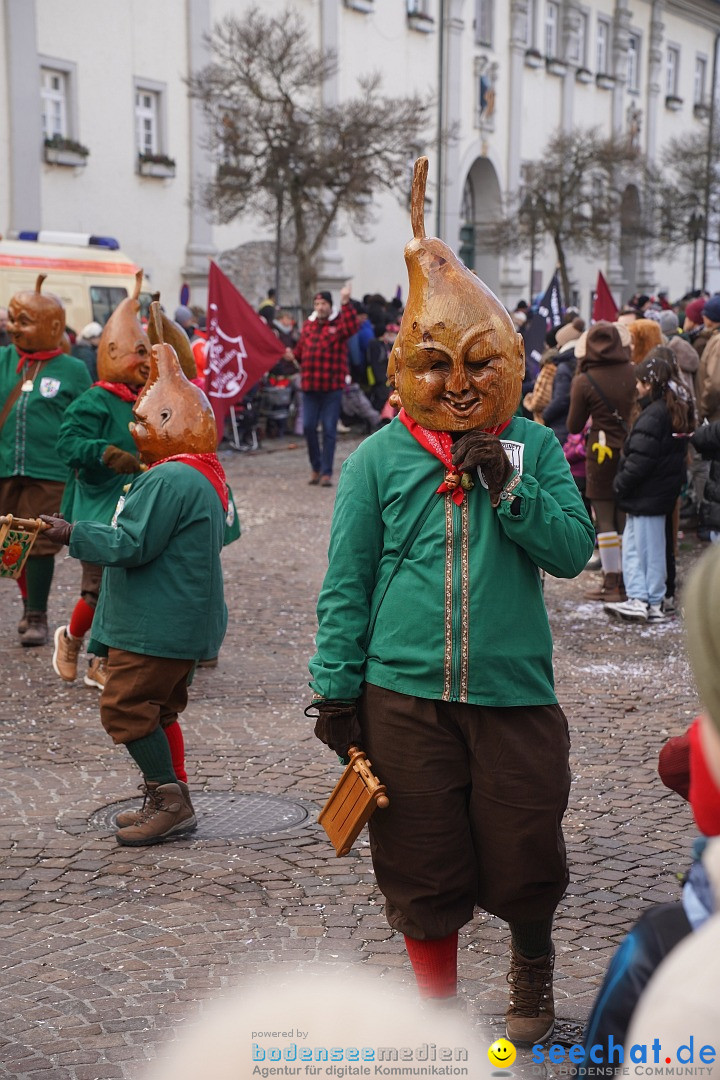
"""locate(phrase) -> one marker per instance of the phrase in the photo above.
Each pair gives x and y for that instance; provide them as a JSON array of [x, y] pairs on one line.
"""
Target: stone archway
[[630, 238], [481, 205]]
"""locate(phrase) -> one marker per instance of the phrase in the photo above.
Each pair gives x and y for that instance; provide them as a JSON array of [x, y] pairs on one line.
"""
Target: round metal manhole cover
[[226, 816]]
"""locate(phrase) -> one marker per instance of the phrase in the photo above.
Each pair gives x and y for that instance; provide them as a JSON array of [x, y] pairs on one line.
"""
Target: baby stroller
[[276, 396], [244, 423]]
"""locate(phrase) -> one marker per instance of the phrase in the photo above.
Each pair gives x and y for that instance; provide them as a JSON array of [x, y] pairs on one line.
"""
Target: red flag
[[241, 346], [604, 307]]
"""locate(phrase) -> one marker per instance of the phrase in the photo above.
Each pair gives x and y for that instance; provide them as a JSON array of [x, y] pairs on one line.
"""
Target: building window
[[147, 112], [700, 79], [552, 22], [671, 71], [54, 94], [579, 55], [633, 62], [484, 22], [419, 7], [529, 18], [602, 51]]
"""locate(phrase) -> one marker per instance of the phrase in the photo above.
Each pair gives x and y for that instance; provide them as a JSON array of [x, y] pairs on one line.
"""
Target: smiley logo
[[502, 1053]]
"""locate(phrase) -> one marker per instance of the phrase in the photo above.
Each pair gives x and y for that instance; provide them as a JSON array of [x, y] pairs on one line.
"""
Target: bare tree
[[572, 195], [688, 195], [282, 154]]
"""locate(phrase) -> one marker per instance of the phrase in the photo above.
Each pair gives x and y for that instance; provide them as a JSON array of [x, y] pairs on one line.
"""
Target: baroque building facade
[[99, 136]]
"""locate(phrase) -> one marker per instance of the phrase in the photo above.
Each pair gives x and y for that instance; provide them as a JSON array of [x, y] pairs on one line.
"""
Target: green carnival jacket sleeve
[[552, 525]]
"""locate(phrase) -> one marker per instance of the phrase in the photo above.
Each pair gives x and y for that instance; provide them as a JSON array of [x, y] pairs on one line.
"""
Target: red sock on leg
[[435, 965], [22, 584], [81, 619], [174, 736]]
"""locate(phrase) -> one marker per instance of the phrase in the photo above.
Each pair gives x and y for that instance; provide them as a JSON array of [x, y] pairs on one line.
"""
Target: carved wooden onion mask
[[458, 362], [124, 347], [172, 415], [36, 322]]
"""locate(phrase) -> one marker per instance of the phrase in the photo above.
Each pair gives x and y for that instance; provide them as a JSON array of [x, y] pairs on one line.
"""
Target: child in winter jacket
[[648, 482]]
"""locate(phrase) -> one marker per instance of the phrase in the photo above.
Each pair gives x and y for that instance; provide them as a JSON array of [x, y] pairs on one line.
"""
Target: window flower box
[[365, 6], [533, 58], [555, 67], [604, 82], [61, 151], [701, 111], [583, 75], [158, 165], [673, 103], [417, 20]]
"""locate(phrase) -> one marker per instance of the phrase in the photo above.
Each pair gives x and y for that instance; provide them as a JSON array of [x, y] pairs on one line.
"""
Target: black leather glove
[[120, 461], [337, 725], [59, 529], [481, 449]]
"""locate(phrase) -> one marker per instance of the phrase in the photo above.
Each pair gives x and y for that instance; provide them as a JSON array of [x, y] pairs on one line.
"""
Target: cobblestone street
[[105, 950]]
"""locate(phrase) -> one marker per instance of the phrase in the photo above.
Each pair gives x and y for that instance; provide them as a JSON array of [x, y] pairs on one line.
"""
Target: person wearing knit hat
[[604, 389], [693, 314], [322, 354]]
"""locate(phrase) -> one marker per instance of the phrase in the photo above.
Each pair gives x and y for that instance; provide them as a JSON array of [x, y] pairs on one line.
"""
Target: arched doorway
[[481, 205], [630, 238]]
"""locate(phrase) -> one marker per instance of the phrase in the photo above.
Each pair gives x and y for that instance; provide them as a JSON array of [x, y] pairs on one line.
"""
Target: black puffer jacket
[[706, 441], [652, 467], [556, 411]]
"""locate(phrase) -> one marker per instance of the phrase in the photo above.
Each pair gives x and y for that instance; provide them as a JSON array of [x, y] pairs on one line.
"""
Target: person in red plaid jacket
[[322, 354]]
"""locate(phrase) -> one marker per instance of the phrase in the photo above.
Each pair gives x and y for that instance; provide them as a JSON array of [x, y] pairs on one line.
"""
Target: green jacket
[[28, 436], [463, 618], [94, 421], [162, 589]]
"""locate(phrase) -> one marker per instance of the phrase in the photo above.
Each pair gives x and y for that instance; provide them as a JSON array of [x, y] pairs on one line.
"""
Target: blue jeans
[[321, 407], [643, 558]]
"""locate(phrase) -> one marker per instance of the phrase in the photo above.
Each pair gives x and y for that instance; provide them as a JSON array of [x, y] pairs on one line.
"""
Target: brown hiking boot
[[530, 1017], [167, 814], [96, 674], [611, 590], [65, 655], [37, 629], [23, 624], [135, 817]]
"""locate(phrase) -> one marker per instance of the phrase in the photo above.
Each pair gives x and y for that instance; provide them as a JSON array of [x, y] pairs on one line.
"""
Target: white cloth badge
[[49, 387], [515, 451]]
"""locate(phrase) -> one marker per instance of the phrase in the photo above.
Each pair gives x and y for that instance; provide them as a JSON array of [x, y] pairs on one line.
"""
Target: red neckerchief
[[120, 389], [440, 444], [210, 467], [29, 357]]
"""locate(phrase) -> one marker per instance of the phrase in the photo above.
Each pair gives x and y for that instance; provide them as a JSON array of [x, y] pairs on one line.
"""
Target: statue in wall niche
[[434, 653]]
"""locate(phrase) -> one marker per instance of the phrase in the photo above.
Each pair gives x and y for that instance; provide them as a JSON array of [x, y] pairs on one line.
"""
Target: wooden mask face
[[36, 323], [124, 347], [172, 415], [458, 362]]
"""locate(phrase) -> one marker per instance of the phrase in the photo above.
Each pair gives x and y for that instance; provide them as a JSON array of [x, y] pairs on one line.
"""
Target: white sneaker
[[668, 605], [655, 613], [633, 610]]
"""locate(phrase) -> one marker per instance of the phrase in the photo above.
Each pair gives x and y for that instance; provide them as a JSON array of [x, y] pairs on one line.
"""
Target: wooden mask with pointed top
[[172, 415], [124, 347], [458, 362]]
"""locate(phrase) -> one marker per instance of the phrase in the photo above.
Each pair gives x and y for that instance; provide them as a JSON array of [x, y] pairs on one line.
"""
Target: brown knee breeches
[[477, 797], [142, 693]]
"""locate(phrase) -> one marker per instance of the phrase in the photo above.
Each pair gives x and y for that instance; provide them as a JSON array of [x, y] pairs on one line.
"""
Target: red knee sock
[[22, 584], [81, 619], [174, 736], [435, 965]]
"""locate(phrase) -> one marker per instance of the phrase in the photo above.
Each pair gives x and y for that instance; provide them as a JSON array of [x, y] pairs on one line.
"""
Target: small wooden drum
[[356, 796], [17, 536]]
